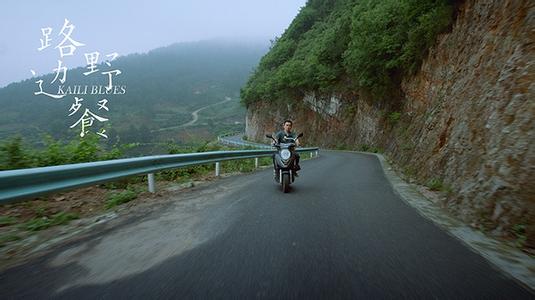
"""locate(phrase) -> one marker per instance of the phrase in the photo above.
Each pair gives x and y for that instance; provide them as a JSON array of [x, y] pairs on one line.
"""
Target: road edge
[[510, 261]]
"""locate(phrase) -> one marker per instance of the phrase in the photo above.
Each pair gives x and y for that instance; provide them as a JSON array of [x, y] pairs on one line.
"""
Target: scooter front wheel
[[286, 182]]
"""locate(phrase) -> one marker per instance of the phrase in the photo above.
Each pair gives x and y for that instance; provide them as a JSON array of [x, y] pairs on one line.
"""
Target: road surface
[[342, 233]]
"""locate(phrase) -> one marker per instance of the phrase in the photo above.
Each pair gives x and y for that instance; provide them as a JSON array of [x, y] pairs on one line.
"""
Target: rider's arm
[[276, 137]]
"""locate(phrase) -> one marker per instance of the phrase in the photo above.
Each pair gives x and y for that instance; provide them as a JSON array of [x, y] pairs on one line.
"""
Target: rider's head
[[287, 125]]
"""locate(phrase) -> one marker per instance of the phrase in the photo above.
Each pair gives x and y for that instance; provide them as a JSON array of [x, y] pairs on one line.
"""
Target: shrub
[[14, 154], [435, 184], [394, 117]]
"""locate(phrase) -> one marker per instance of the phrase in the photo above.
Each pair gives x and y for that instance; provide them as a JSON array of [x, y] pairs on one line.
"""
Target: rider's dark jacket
[[279, 137]]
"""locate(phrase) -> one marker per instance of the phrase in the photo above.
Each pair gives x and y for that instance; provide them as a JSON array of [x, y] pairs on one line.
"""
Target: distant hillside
[[163, 87]]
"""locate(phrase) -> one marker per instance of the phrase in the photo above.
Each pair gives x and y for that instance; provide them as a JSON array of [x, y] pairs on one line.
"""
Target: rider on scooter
[[279, 137]]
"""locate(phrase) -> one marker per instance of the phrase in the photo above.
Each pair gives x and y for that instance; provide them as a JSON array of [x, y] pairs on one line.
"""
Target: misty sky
[[128, 27]]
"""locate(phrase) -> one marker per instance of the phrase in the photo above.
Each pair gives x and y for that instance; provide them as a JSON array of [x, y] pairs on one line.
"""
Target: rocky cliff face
[[467, 119]]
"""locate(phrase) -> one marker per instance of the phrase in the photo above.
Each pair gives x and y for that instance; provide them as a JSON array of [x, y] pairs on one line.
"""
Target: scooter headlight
[[285, 154]]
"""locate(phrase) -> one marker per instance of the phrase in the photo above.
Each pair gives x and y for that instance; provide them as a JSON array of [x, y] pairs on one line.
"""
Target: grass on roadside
[[6, 238], [439, 186], [7, 220], [117, 198], [44, 222]]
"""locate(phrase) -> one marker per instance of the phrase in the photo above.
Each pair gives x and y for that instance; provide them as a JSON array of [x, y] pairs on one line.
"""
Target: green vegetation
[[115, 198], [435, 185], [44, 222], [7, 220], [410, 171], [14, 154], [519, 230], [188, 173], [6, 238], [39, 211], [368, 148], [394, 117], [348, 44]]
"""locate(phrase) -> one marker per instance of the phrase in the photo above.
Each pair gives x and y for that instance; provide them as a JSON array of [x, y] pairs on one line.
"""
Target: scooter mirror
[[300, 135], [269, 136]]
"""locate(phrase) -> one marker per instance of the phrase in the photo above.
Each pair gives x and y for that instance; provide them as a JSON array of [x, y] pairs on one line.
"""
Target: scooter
[[284, 160]]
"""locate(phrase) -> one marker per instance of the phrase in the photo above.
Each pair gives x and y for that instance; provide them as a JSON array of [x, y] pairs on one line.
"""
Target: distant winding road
[[194, 116]]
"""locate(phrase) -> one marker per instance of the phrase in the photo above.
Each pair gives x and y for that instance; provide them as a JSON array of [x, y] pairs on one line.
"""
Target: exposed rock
[[468, 117]]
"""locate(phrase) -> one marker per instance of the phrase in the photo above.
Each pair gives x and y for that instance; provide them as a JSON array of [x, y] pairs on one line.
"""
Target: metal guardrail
[[226, 140], [16, 185], [231, 139]]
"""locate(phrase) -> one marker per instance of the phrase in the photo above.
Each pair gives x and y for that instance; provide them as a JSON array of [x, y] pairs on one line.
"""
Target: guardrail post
[[317, 153], [311, 153], [256, 162], [152, 186], [217, 168]]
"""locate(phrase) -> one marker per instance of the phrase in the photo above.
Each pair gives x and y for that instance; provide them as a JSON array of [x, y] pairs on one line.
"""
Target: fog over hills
[[155, 93]]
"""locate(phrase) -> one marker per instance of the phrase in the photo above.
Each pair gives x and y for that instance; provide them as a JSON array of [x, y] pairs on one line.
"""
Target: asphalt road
[[342, 233]]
